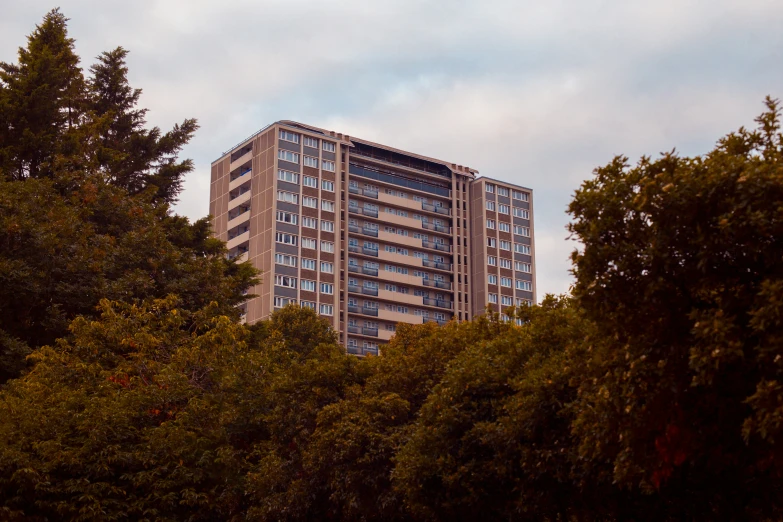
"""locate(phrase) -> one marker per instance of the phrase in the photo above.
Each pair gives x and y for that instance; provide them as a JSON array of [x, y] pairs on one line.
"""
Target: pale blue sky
[[535, 93]]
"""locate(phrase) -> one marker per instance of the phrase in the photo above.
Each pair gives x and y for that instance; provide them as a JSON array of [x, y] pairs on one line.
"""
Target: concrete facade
[[368, 235]]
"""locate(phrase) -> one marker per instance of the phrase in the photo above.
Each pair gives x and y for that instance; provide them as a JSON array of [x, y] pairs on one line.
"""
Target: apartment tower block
[[368, 235]]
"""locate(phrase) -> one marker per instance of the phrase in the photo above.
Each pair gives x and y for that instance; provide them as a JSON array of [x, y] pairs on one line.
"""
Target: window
[[308, 242], [521, 213], [491, 242], [286, 281], [327, 288], [284, 259], [493, 298], [327, 205], [525, 285], [491, 224], [492, 279], [506, 300], [309, 161], [286, 217], [505, 263], [327, 267], [311, 142], [308, 201], [289, 136], [283, 301], [502, 191], [391, 327], [491, 205], [490, 188], [522, 249], [327, 226], [286, 239], [308, 285], [492, 260], [521, 196], [522, 267], [309, 222], [504, 227], [308, 304], [328, 146], [525, 231], [307, 264], [290, 177], [327, 185], [503, 209], [327, 165], [309, 181], [327, 309], [287, 155], [505, 245], [327, 246], [505, 281], [287, 197]]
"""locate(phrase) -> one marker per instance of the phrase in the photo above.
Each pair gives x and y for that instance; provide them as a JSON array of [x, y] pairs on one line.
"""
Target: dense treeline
[[652, 393]]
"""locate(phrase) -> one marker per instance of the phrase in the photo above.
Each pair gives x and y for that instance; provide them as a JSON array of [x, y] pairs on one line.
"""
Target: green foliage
[[84, 196], [681, 273]]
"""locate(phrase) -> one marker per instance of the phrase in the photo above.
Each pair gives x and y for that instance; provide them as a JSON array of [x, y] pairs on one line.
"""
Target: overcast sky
[[535, 93]]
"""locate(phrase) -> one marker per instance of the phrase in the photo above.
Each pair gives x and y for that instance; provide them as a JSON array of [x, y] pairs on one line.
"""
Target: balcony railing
[[353, 248], [353, 288], [436, 228], [370, 311], [353, 228], [354, 350], [353, 329], [434, 208], [353, 309], [248, 171], [369, 291], [435, 264], [238, 193], [364, 211], [437, 284], [370, 331], [439, 321], [370, 232], [437, 302], [437, 246], [363, 192], [353, 268], [369, 271], [370, 252]]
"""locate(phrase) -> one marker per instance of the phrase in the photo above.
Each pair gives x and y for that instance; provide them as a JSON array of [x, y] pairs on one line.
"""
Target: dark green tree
[[42, 103], [132, 156], [681, 270]]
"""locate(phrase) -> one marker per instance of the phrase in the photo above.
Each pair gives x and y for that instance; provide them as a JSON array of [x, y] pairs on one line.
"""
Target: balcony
[[369, 193], [370, 252], [354, 350], [439, 321], [370, 231], [436, 284], [370, 291], [433, 208], [437, 302], [238, 240], [353, 248], [370, 331], [370, 311], [239, 179], [370, 212], [353, 309], [238, 200], [240, 160], [435, 264], [353, 288], [437, 246], [370, 271], [353, 228], [353, 329], [353, 268], [436, 228]]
